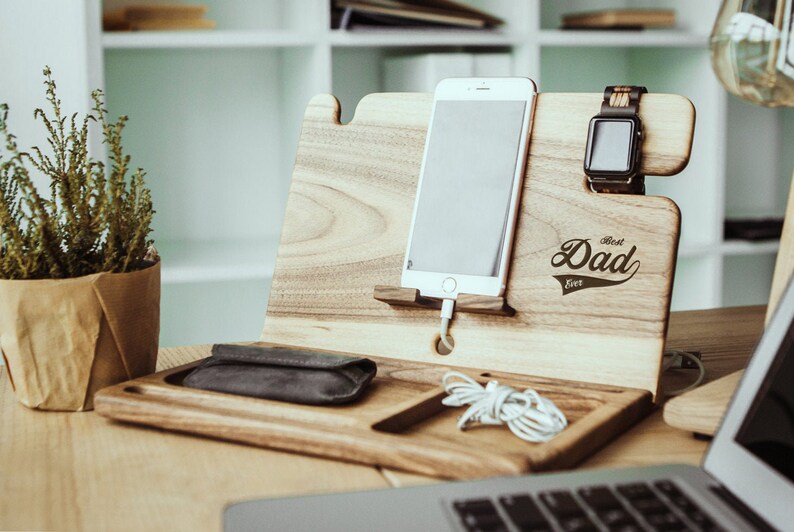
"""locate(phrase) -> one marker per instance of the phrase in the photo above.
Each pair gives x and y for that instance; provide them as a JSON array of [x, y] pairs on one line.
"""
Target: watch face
[[611, 146]]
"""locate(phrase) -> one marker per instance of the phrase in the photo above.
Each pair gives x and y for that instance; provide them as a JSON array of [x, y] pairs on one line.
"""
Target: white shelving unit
[[215, 117]]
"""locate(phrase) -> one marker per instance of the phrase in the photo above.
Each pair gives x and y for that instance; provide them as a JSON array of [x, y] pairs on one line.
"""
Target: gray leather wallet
[[292, 375]]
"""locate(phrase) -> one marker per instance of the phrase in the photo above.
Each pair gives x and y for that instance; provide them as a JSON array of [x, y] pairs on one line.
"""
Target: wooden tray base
[[410, 297], [399, 422]]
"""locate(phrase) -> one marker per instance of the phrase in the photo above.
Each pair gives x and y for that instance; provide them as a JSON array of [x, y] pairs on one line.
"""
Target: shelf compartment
[[218, 159], [217, 260], [267, 15], [747, 279], [691, 17], [212, 312], [697, 283]]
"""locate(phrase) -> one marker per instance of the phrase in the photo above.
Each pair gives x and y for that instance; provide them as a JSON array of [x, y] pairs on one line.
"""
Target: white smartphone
[[469, 187]]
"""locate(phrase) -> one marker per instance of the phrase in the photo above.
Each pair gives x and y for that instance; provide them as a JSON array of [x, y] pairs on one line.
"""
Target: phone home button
[[449, 285]]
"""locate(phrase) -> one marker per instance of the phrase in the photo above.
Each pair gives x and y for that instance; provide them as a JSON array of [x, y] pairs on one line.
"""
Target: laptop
[[746, 481]]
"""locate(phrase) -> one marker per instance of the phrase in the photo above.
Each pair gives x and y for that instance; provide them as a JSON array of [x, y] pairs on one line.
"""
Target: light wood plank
[[726, 338], [784, 263], [702, 409]]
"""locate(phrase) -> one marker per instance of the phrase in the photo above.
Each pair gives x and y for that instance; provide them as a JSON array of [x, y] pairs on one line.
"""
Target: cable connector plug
[[682, 361], [447, 310]]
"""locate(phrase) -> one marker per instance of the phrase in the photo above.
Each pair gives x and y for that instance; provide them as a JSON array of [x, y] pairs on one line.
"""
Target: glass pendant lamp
[[752, 53], [752, 50]]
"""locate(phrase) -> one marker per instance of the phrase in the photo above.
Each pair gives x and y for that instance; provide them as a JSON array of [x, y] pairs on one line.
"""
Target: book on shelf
[[142, 17], [409, 13], [754, 229], [620, 19], [421, 73]]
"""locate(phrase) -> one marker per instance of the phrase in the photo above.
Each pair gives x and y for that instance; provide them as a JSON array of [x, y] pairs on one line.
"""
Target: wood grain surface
[[399, 422], [701, 410], [726, 337], [347, 223], [79, 471]]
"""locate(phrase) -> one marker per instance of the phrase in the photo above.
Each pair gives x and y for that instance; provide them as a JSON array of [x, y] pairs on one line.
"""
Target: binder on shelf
[[411, 13]]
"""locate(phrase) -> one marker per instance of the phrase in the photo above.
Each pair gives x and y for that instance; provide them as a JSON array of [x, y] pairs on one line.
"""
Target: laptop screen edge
[[739, 470]]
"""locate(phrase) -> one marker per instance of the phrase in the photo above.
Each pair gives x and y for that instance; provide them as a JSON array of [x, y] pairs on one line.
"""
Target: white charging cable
[[673, 357], [528, 415], [447, 309]]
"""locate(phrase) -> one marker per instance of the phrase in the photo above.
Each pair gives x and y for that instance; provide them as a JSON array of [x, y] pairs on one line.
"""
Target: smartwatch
[[614, 143]]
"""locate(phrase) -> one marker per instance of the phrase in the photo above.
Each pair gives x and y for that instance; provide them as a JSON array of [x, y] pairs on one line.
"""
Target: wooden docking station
[[583, 323]]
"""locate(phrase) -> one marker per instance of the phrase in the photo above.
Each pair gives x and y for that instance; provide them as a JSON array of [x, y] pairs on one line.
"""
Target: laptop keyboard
[[637, 506]]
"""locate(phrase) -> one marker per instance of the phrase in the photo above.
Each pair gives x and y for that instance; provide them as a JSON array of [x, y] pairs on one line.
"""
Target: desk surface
[[71, 471]]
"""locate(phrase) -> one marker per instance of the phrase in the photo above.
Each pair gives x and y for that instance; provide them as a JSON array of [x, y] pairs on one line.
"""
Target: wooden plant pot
[[65, 339]]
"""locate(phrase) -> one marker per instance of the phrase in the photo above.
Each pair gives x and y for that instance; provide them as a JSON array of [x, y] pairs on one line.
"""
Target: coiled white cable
[[528, 415]]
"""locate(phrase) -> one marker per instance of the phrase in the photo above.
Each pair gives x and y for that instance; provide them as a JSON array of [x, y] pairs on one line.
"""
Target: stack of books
[[157, 17], [357, 14]]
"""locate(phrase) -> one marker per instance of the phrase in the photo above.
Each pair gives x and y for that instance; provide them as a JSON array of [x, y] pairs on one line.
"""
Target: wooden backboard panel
[[347, 223]]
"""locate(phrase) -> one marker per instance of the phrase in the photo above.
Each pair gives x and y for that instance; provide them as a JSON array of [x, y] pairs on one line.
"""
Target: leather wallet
[[283, 374]]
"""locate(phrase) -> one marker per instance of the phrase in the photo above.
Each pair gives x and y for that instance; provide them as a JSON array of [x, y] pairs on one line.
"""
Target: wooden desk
[[77, 471]]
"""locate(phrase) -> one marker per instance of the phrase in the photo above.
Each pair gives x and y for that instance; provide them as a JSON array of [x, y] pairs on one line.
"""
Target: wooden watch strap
[[622, 100], [635, 186]]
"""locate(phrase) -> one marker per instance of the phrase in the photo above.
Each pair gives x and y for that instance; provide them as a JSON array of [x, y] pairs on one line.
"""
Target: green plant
[[96, 218]]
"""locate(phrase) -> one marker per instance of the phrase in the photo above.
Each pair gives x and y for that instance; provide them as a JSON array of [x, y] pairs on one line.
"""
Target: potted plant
[[79, 278]]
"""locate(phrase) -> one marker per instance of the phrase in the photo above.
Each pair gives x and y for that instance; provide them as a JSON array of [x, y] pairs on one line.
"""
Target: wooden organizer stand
[[596, 352]]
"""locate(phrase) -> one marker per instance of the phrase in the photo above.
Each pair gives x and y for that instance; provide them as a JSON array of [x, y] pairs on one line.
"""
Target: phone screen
[[464, 199]]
